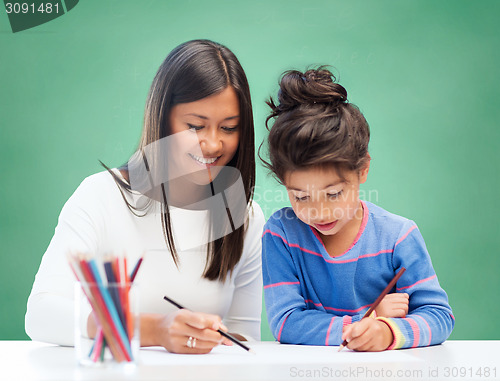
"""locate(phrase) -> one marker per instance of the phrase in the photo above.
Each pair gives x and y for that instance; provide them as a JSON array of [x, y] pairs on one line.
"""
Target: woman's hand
[[368, 335], [183, 331], [393, 306]]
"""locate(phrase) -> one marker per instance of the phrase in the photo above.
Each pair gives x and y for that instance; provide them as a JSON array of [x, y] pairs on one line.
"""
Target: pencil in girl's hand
[[379, 299], [226, 335]]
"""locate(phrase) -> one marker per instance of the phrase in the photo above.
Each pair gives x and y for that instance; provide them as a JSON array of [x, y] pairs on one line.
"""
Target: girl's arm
[[290, 319], [430, 319]]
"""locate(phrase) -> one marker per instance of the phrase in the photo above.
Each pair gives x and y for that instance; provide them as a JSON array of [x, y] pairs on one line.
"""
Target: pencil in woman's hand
[[225, 334], [379, 299]]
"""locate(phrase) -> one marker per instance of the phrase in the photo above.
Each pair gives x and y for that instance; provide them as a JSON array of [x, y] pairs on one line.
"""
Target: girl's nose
[[320, 212]]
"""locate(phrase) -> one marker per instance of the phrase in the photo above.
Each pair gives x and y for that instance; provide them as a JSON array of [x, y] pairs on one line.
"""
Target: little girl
[[328, 257]]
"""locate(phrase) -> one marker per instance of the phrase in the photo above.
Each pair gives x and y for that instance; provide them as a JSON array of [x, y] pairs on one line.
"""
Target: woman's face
[[207, 134]]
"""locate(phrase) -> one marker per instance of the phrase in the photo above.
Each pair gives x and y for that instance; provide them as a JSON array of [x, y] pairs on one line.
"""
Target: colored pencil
[[83, 276], [101, 313], [226, 335], [108, 268], [136, 269], [126, 305], [110, 309], [98, 345], [111, 268], [388, 288]]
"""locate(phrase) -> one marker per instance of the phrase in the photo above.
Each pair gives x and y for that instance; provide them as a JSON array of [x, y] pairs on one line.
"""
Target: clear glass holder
[[115, 309]]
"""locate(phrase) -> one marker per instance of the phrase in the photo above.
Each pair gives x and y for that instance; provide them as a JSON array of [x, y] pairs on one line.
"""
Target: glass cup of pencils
[[112, 302]]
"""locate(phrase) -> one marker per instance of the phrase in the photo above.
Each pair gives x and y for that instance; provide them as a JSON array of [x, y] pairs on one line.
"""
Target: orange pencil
[[126, 305]]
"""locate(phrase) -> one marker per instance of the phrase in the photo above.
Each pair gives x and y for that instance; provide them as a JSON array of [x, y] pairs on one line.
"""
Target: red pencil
[[136, 269], [379, 299]]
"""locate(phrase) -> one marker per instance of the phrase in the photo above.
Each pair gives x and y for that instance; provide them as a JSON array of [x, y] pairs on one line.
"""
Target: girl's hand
[[393, 306], [368, 335], [173, 332]]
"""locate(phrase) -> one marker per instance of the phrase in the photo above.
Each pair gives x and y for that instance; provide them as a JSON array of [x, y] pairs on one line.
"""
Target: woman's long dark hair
[[192, 71]]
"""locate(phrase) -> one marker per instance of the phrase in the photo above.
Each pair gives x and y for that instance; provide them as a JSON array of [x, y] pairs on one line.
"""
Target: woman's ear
[[363, 173]]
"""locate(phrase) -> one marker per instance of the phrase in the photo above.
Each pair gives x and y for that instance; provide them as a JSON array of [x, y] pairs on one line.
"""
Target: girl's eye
[[194, 128], [303, 198], [334, 196]]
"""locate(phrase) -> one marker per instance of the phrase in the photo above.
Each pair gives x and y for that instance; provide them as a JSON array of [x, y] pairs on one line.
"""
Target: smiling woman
[[214, 120], [185, 199]]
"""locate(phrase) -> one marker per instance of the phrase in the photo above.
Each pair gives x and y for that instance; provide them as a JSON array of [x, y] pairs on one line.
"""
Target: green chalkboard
[[425, 74]]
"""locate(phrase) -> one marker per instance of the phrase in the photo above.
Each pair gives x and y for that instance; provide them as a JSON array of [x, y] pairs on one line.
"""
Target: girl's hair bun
[[312, 87], [314, 125]]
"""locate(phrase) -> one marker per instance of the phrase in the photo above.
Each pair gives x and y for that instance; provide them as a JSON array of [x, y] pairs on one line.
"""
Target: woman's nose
[[211, 143]]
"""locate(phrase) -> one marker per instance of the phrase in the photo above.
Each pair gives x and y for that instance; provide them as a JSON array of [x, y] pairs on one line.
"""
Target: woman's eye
[[230, 129], [194, 127]]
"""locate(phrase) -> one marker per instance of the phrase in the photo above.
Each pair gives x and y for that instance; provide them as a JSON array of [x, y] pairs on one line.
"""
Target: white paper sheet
[[273, 353]]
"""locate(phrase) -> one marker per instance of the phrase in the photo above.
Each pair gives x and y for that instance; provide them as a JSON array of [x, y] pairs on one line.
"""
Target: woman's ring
[[191, 343]]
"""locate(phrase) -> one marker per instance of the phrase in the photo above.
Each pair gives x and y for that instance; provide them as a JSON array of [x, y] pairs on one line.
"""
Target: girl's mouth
[[325, 227]]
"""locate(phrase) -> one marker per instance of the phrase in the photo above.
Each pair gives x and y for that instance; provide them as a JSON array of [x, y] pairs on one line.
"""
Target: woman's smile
[[205, 161]]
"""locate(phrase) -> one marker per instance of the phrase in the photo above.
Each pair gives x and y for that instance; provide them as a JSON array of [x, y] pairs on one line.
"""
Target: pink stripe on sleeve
[[315, 304], [405, 235], [328, 331], [292, 244], [415, 330], [347, 320], [280, 284], [345, 310], [338, 309], [414, 284], [281, 328], [428, 328]]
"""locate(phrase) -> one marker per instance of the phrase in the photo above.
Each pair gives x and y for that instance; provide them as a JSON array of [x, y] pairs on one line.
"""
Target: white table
[[453, 360]]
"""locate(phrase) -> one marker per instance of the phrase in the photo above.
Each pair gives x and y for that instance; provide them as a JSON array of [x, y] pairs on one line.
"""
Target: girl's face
[[322, 199], [208, 135]]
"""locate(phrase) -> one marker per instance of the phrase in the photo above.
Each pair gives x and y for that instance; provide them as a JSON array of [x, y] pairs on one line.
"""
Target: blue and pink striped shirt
[[310, 296]]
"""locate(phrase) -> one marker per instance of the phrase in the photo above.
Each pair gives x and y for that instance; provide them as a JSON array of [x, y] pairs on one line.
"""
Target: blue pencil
[[111, 307]]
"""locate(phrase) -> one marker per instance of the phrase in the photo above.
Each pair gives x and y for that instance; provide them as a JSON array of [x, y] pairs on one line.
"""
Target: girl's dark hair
[[192, 71], [314, 125]]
